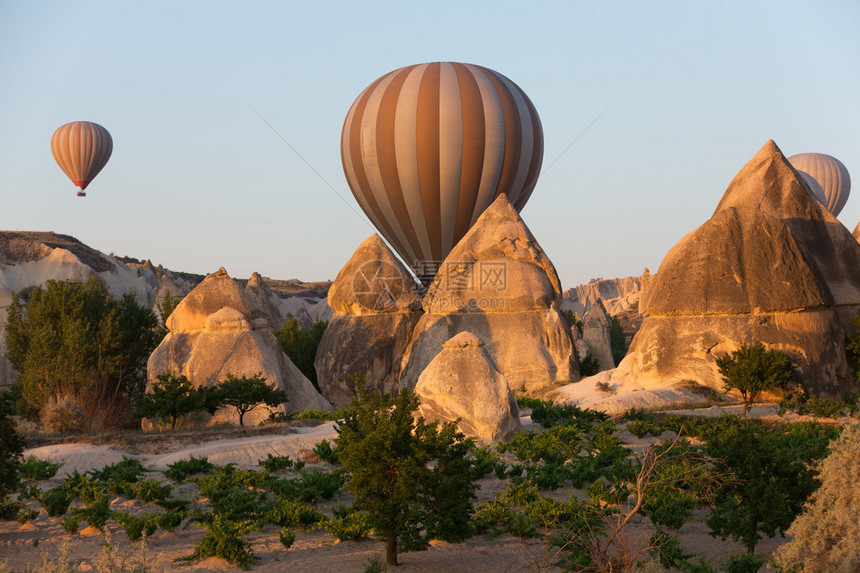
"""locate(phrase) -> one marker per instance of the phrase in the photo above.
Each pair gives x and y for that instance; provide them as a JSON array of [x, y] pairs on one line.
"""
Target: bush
[[826, 536], [326, 453], [752, 369], [38, 470], [61, 415], [223, 540], [743, 563], [136, 526], [348, 525], [245, 394], [277, 463], [180, 470]]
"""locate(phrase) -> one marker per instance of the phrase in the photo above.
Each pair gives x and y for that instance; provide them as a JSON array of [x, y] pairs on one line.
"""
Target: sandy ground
[[26, 546]]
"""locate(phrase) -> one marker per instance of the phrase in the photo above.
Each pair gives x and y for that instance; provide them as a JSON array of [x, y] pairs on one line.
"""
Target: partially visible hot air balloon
[[81, 148], [427, 148], [834, 183]]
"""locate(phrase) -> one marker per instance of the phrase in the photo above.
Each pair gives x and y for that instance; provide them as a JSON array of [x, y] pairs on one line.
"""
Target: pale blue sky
[[197, 180]]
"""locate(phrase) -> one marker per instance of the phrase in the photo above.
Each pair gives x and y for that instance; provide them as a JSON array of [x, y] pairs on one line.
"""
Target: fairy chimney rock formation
[[218, 330], [498, 283], [596, 325], [463, 384], [376, 303], [755, 272]]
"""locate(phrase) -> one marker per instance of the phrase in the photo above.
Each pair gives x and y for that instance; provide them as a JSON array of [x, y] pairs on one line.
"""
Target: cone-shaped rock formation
[[217, 330], [376, 303], [757, 271], [463, 384], [499, 284]]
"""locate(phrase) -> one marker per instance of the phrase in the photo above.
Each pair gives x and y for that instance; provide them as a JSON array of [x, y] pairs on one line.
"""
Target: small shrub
[[180, 470], [96, 513], [136, 526], [223, 540], [38, 470], [326, 453], [11, 447], [292, 513], [353, 525], [26, 515], [641, 428], [287, 538], [278, 463], [169, 520], [308, 487], [375, 564], [150, 491], [56, 501], [743, 563], [61, 415], [70, 524]]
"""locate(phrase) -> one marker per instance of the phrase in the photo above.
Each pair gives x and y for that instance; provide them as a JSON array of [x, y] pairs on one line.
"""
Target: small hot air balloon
[[81, 149], [427, 148], [833, 182]]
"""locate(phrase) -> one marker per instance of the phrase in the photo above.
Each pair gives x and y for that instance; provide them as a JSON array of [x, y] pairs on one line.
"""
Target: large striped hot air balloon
[[427, 148], [81, 148], [834, 183]]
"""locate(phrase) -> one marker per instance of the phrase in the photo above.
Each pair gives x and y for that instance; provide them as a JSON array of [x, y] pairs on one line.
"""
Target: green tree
[[11, 447], [752, 369], [413, 479], [771, 475], [246, 393], [301, 345], [174, 397], [74, 339], [617, 341]]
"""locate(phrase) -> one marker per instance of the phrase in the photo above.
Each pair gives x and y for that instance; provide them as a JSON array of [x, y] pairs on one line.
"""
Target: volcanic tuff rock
[[596, 325], [376, 303], [462, 384], [750, 274], [769, 183], [499, 284], [218, 329], [580, 298], [856, 232]]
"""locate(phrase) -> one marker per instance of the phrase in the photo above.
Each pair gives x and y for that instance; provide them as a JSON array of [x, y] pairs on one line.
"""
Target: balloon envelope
[[81, 149], [834, 183], [427, 148]]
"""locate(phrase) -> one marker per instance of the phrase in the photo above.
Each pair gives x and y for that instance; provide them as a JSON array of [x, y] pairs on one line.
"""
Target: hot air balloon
[[81, 148], [834, 183], [427, 148]]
